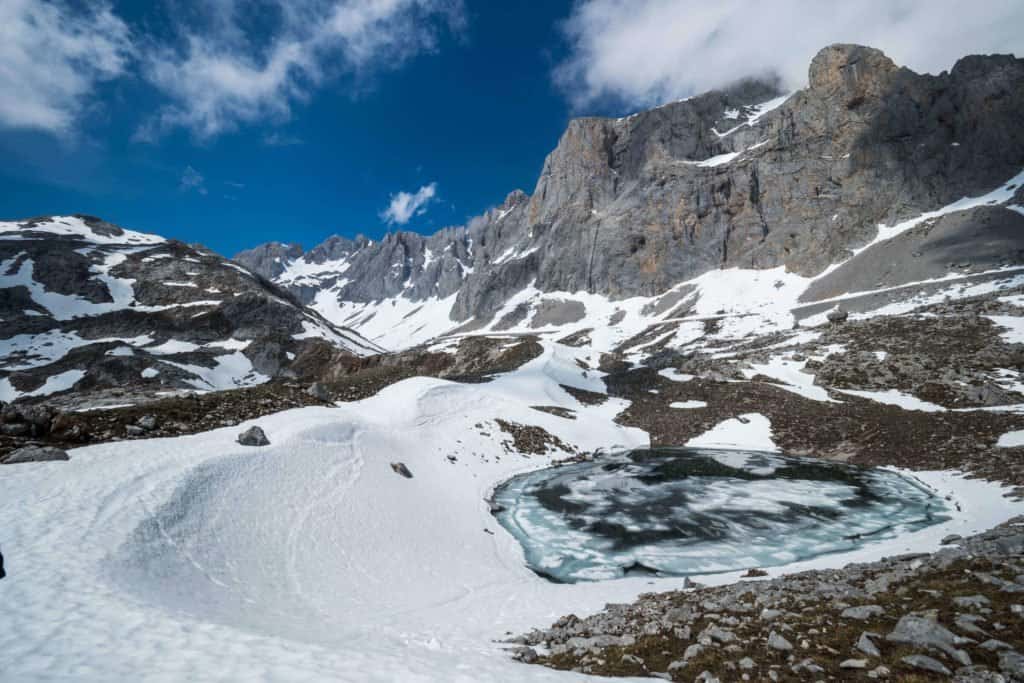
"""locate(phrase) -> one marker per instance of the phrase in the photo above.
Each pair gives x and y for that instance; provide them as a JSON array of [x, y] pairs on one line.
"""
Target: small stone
[[952, 538], [777, 642], [632, 659], [971, 601], [754, 573], [706, 677], [147, 422], [880, 671], [807, 666], [862, 612], [319, 392], [992, 645], [134, 430], [747, 663], [837, 315], [770, 614], [400, 468], [253, 436], [1012, 664], [692, 651], [35, 454], [867, 646], [720, 634], [926, 663], [853, 664]]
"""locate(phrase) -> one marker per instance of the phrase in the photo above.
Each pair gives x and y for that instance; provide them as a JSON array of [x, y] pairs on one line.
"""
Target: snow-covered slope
[[310, 559]]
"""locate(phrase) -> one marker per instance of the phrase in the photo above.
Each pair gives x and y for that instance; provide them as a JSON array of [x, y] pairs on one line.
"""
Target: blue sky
[[476, 115], [234, 122]]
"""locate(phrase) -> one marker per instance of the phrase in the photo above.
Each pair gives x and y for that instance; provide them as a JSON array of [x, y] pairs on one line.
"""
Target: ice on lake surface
[[699, 511]]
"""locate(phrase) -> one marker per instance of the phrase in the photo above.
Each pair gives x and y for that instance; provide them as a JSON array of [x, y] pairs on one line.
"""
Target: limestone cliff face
[[632, 206]]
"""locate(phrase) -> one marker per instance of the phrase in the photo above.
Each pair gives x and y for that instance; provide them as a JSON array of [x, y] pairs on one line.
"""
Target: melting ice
[[699, 511]]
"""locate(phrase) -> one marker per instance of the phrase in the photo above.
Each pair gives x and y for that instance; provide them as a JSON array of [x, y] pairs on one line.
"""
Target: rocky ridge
[[743, 177], [107, 312]]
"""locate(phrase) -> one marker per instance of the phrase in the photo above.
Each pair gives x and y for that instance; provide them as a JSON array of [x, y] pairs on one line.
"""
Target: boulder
[[837, 315], [777, 642], [253, 436], [319, 392], [926, 663], [400, 468], [862, 612], [35, 454], [920, 632]]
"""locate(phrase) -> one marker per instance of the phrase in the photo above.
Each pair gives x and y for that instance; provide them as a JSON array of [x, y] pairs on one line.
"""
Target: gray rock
[[253, 436], [838, 315], [400, 468], [853, 664], [777, 642], [808, 666], [971, 601], [35, 454], [747, 664], [319, 392], [1012, 664], [867, 646], [926, 663], [952, 538], [920, 632], [148, 422], [134, 430], [862, 612], [694, 650], [977, 674]]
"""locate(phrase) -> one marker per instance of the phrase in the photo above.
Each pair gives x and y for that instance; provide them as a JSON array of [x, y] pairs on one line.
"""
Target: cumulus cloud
[[214, 82], [645, 52], [51, 58], [191, 179], [405, 205]]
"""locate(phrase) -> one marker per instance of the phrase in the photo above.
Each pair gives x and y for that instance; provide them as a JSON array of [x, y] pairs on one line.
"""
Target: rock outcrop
[[744, 176]]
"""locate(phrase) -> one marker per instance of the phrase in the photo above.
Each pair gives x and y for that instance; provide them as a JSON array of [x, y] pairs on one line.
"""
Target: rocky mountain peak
[[741, 177], [852, 73]]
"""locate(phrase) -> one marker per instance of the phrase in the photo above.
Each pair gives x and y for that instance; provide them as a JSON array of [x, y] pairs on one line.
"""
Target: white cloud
[[191, 179], [215, 84], [276, 139], [51, 57], [646, 52], [405, 205]]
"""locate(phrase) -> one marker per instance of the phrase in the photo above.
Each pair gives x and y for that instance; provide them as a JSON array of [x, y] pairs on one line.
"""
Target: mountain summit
[[744, 177]]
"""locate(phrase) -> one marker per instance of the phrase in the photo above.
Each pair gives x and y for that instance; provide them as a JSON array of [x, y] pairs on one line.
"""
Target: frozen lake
[[699, 511]]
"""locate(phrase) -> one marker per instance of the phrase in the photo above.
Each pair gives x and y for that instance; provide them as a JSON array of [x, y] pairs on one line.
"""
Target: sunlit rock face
[[697, 511]]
